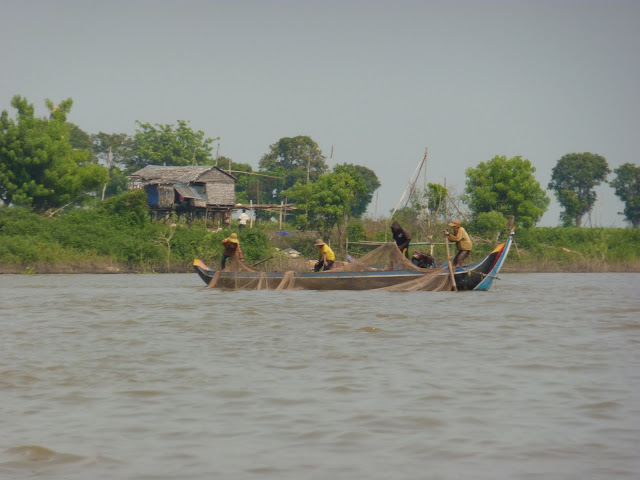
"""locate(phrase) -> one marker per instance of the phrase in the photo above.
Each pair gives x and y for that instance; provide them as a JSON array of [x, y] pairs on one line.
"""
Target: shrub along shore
[[118, 237]]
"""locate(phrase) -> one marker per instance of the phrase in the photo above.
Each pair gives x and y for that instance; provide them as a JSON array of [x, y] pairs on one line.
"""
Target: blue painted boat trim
[[488, 280]]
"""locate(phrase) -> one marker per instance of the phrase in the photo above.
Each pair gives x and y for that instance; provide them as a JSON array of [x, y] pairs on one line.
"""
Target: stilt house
[[196, 191]]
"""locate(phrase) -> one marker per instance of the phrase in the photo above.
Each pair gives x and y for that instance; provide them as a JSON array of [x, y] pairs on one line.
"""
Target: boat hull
[[308, 280]]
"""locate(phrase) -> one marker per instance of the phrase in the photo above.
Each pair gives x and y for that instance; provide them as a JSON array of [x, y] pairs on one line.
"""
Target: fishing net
[[236, 282], [386, 258], [436, 281]]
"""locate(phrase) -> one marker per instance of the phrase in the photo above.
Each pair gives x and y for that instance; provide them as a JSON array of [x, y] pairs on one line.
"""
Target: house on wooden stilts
[[205, 192]]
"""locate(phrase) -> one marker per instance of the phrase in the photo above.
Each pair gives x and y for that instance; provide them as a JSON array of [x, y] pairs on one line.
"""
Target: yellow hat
[[455, 223], [319, 242], [233, 238]]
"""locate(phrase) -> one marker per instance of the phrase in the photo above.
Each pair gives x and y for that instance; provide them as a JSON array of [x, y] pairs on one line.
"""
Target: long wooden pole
[[453, 278]]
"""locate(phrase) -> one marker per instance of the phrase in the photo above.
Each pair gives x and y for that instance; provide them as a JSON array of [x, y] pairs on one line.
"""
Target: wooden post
[[281, 206], [453, 278], [251, 207], [285, 211]]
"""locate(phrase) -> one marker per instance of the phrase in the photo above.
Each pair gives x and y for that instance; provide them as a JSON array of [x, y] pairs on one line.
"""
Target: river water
[[155, 377]]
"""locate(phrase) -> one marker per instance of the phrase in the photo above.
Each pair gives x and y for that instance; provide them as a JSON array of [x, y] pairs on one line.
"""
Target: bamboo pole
[[251, 206], [453, 278]]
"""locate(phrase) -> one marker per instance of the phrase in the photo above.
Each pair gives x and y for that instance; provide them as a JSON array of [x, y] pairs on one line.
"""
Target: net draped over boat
[[385, 258]]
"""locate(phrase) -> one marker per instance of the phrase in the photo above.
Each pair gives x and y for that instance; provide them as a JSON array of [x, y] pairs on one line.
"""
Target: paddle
[[453, 278], [262, 261]]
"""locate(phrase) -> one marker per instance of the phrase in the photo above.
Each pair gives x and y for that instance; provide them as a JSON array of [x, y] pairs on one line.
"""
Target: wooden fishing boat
[[475, 277]]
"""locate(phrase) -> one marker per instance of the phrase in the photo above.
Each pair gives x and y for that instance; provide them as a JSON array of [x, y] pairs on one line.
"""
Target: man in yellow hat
[[326, 257], [463, 242], [231, 248]]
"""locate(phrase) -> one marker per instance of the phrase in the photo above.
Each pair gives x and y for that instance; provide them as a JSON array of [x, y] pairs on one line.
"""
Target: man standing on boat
[[463, 242], [326, 257], [231, 248], [401, 237]]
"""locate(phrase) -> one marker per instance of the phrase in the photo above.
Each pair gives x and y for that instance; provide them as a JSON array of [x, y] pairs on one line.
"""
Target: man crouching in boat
[[231, 247], [326, 256], [463, 242]]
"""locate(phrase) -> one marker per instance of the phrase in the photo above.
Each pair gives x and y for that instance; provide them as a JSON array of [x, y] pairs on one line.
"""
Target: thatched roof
[[167, 175]]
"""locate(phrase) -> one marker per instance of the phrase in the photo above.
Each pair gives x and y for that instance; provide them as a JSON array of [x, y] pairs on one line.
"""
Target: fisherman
[[463, 242], [401, 237], [231, 248], [326, 257]]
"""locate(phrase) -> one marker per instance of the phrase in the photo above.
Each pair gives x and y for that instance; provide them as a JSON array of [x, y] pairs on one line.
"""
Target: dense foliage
[[290, 160], [327, 202], [507, 187], [367, 182], [627, 187], [39, 167], [573, 180], [571, 245], [117, 232], [171, 145]]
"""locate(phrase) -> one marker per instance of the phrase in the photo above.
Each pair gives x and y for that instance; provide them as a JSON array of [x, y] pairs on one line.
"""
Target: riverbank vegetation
[[67, 207], [117, 236]]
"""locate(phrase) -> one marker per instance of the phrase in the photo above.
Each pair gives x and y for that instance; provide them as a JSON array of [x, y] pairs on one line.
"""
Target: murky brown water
[[155, 377]]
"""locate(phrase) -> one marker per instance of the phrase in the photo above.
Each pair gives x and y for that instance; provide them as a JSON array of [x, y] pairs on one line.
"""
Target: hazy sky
[[379, 81]]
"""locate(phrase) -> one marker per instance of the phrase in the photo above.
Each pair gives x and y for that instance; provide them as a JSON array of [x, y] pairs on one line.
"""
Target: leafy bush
[[487, 224]]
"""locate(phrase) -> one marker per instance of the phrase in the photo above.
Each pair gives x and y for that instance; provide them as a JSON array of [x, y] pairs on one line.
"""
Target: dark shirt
[[401, 237]]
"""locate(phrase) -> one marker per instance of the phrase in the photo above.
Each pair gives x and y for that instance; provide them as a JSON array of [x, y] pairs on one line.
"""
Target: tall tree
[[367, 180], [38, 165], [506, 186], [81, 140], [573, 180], [291, 159], [627, 188], [114, 150], [325, 203], [430, 203], [168, 145]]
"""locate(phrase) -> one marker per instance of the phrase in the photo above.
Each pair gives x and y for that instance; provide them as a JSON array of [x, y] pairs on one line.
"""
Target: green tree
[[490, 223], [81, 140], [168, 145], [38, 165], [368, 183], [627, 188], [573, 180], [325, 203], [507, 186], [114, 150], [430, 203], [291, 160]]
